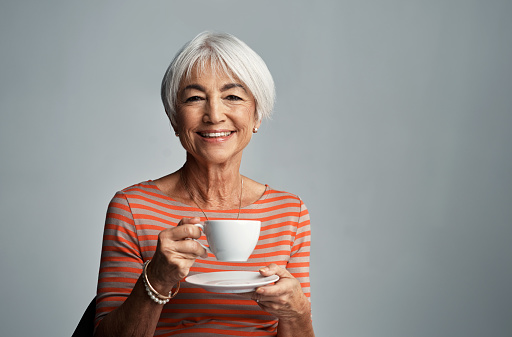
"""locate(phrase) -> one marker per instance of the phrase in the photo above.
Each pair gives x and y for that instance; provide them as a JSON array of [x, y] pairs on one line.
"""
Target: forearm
[[137, 316], [300, 326]]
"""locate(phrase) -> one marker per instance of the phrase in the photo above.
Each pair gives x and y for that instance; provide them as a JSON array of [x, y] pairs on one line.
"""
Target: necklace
[[195, 202]]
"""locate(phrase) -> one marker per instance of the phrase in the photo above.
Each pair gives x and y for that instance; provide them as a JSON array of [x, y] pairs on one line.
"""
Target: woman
[[216, 92]]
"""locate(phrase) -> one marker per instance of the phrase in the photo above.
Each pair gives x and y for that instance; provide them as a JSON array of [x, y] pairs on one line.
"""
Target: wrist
[[301, 314], [157, 278], [298, 319], [296, 326], [153, 293]]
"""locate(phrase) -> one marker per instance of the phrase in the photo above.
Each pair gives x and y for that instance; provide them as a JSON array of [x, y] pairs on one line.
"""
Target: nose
[[214, 112]]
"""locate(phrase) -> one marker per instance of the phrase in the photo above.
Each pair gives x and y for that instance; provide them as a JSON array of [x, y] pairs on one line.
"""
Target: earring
[[255, 130], [176, 134]]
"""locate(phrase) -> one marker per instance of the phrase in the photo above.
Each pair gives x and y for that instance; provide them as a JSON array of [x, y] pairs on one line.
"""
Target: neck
[[212, 186]]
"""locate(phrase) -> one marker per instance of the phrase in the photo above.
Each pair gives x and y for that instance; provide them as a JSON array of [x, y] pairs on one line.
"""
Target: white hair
[[233, 56]]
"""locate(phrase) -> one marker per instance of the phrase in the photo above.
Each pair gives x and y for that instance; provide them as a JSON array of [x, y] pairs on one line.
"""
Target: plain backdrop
[[393, 122]]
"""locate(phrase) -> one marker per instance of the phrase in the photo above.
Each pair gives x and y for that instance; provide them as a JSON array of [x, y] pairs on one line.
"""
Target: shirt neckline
[[164, 195]]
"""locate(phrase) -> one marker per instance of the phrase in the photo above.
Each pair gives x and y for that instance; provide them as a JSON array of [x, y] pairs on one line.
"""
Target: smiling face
[[215, 116]]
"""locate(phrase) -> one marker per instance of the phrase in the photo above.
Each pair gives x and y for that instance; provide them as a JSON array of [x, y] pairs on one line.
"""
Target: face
[[215, 116]]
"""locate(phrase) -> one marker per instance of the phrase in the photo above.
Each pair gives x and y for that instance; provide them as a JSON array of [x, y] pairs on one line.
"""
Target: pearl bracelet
[[152, 293]]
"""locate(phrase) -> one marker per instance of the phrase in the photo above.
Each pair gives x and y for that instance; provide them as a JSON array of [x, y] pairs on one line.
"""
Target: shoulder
[[283, 205], [272, 193], [279, 199], [146, 189], [147, 185]]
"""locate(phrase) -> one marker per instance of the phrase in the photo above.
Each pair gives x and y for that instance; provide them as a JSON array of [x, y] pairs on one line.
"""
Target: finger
[[269, 291], [249, 295], [191, 248], [263, 301], [274, 269], [182, 240], [182, 232], [189, 221], [253, 295], [283, 286]]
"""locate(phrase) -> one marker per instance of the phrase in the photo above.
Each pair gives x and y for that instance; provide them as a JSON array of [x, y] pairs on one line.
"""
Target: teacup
[[231, 240]]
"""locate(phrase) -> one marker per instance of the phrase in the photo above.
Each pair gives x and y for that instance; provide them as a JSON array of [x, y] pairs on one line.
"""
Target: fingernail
[[264, 269]]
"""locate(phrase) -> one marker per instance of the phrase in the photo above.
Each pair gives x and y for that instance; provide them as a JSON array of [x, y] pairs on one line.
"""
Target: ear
[[175, 129], [257, 124]]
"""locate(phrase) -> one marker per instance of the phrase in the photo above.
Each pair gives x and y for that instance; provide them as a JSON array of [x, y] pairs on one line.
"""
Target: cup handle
[[202, 229]]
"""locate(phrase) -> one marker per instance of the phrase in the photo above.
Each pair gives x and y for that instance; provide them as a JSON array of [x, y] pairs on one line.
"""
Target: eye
[[233, 98], [193, 99]]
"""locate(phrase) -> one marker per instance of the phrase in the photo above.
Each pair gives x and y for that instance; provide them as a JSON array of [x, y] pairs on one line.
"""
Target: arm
[[137, 316], [120, 285], [288, 299]]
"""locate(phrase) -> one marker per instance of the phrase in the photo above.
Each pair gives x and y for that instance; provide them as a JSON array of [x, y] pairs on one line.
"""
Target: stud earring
[[255, 130], [176, 134]]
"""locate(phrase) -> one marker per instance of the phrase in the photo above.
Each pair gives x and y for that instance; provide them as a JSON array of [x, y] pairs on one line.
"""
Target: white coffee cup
[[231, 240]]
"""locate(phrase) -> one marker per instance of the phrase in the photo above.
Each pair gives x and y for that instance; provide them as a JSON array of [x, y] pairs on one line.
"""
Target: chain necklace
[[195, 202]]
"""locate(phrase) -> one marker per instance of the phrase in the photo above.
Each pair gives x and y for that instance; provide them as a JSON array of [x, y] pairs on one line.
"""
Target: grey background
[[392, 122]]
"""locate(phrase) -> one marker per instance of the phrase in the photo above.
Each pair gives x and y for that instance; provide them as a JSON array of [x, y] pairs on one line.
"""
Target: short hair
[[232, 55]]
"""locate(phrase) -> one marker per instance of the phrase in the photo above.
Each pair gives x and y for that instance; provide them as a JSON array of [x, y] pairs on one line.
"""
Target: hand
[[175, 253], [284, 299]]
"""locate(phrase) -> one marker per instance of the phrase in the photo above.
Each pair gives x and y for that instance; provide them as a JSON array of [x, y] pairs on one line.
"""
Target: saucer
[[231, 281]]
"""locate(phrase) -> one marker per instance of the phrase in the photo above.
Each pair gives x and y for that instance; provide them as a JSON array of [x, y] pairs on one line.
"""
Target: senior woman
[[215, 92]]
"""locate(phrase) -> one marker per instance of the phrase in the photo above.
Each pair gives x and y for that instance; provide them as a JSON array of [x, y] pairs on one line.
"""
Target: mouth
[[215, 134]]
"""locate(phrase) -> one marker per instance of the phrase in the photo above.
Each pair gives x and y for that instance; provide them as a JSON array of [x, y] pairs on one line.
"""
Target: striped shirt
[[135, 217]]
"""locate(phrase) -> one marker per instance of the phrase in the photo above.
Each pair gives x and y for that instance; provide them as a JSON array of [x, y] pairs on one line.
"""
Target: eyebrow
[[194, 86], [224, 88], [231, 86]]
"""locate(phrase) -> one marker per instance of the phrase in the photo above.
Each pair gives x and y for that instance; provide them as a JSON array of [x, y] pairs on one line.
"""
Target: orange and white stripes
[[136, 216]]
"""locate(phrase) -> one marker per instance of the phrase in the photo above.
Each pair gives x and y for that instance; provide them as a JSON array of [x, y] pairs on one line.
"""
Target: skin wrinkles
[[224, 88], [213, 102], [215, 118]]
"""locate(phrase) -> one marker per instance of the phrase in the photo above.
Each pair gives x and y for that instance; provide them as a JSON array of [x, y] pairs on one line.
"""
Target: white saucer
[[231, 281]]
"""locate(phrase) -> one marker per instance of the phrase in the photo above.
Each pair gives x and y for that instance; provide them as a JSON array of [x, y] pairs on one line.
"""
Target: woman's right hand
[[175, 253]]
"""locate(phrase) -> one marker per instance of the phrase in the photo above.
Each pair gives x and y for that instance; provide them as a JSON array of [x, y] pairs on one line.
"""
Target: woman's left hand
[[284, 299]]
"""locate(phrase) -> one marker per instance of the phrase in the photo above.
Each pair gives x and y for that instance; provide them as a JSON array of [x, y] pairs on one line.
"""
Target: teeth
[[215, 134]]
